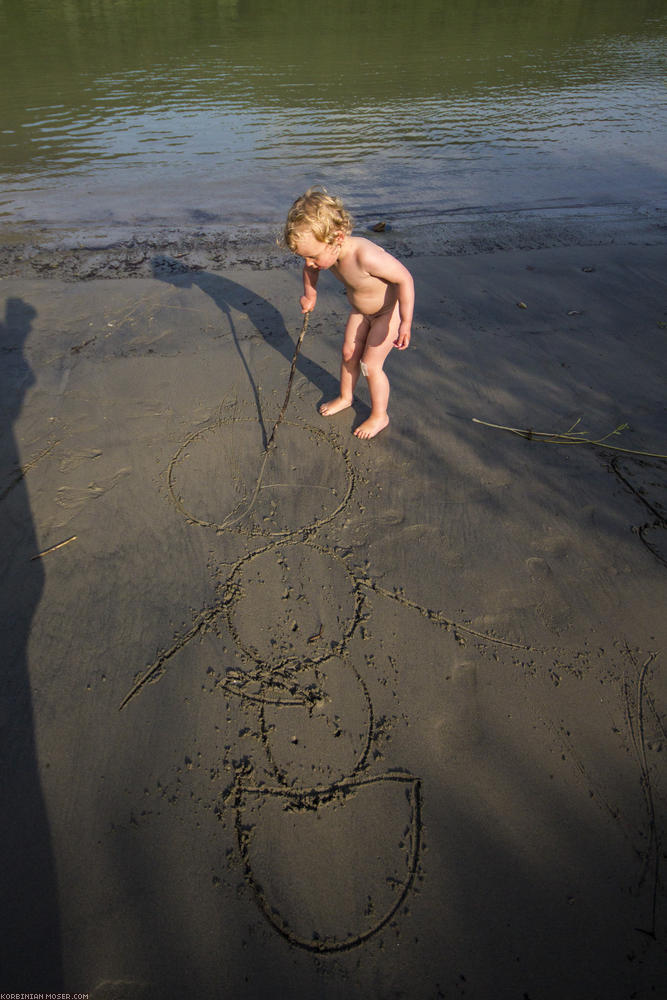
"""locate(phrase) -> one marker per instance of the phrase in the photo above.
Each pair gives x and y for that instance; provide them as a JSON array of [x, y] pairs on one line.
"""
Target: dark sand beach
[[399, 730]]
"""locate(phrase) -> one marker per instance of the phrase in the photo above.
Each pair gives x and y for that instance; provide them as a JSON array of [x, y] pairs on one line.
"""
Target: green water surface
[[221, 111]]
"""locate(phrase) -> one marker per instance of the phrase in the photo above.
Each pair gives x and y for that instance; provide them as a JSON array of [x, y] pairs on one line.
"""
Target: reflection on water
[[210, 110]]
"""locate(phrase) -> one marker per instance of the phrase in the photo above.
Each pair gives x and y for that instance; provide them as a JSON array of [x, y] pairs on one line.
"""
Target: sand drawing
[[297, 677], [292, 669], [645, 731], [290, 672], [305, 802], [636, 703], [313, 604], [642, 477]]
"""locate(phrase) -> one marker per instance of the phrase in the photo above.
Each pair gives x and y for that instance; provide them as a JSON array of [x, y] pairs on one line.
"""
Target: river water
[[217, 113]]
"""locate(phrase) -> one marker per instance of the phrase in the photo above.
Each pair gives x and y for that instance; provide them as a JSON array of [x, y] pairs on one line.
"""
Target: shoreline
[[126, 251]]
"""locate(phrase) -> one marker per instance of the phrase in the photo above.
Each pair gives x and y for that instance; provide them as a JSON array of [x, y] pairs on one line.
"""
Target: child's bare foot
[[334, 406], [371, 427]]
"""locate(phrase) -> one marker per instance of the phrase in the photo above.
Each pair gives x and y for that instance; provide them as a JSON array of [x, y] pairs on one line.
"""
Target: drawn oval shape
[[323, 740], [305, 481], [293, 601], [330, 871]]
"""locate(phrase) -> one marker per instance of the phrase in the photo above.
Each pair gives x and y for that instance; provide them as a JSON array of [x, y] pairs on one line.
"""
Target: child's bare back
[[379, 288]]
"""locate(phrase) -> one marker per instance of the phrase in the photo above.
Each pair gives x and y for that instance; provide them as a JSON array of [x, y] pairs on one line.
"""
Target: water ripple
[[467, 120]]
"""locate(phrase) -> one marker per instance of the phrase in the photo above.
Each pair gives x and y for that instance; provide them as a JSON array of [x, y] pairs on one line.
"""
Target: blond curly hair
[[317, 212]]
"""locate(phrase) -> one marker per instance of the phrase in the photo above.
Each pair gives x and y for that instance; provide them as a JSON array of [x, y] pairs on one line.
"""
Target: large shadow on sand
[[231, 298], [30, 956]]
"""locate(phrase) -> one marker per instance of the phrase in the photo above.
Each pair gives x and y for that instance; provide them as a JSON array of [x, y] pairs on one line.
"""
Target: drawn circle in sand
[[325, 740], [306, 481], [293, 602]]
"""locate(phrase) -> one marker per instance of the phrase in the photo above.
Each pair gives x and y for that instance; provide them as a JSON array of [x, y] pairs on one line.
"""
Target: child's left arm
[[381, 264]]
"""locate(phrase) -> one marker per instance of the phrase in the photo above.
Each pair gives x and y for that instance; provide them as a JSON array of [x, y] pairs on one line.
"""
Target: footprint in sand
[[73, 459], [74, 497]]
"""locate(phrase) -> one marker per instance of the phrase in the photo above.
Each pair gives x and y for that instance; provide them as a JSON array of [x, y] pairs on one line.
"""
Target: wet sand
[[399, 729]]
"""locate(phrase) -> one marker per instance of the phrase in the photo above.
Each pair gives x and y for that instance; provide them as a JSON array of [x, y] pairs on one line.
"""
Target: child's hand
[[307, 302], [403, 338]]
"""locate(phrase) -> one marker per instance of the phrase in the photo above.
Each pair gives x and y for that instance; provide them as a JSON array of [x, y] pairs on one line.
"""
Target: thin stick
[[228, 523], [569, 438], [53, 548], [299, 342]]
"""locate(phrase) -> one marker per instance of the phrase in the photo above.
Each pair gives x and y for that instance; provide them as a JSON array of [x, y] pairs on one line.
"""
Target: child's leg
[[380, 340], [354, 343]]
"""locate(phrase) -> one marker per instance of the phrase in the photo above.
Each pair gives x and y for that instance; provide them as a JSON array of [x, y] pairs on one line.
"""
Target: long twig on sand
[[570, 437]]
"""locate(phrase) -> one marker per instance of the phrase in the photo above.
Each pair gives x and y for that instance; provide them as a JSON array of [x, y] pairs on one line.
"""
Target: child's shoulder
[[363, 248], [361, 243]]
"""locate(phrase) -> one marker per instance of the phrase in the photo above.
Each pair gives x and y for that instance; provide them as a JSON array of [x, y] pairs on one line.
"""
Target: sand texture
[[399, 729]]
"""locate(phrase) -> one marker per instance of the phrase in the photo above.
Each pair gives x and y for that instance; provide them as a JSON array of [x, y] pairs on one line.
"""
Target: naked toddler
[[379, 288]]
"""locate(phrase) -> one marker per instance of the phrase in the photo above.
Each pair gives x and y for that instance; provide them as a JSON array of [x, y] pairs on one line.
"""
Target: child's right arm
[[309, 297]]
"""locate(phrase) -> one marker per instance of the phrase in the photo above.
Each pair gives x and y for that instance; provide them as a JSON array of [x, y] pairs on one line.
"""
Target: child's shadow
[[231, 297]]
